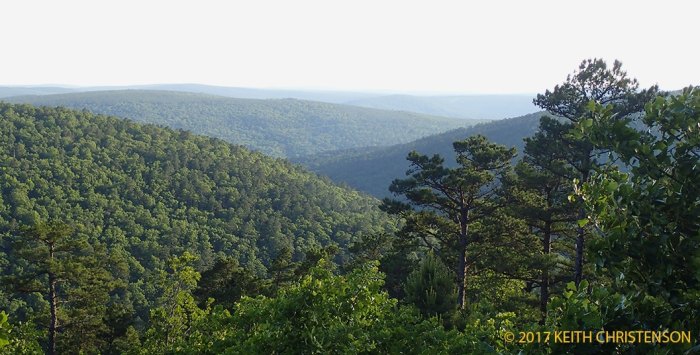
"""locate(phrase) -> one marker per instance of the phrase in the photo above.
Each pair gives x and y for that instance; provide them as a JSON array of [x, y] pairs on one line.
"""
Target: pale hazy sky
[[419, 46]]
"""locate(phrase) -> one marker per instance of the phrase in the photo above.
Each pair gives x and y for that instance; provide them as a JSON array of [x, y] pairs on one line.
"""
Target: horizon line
[[314, 89]]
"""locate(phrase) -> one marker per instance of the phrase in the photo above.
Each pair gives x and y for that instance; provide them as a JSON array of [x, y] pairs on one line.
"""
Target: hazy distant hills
[[459, 106], [282, 127], [9, 91], [337, 97], [472, 106], [462, 106], [237, 92], [372, 170]]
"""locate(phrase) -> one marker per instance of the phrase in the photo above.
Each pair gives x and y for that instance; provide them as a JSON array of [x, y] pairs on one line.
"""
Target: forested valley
[[371, 170], [119, 237]]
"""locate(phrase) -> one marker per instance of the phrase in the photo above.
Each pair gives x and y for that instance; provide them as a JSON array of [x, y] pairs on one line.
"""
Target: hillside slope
[[282, 128], [150, 192], [372, 170]]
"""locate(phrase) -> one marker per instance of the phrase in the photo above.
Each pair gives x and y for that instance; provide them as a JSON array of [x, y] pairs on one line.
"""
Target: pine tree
[[282, 269], [226, 282], [431, 287], [443, 203], [592, 82], [69, 273], [540, 199]]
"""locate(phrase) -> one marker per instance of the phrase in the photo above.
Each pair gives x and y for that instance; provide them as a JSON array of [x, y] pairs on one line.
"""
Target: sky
[[434, 46]]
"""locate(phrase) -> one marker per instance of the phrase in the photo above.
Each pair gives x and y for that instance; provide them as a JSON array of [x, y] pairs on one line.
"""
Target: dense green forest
[[281, 128], [371, 169], [587, 241], [141, 194]]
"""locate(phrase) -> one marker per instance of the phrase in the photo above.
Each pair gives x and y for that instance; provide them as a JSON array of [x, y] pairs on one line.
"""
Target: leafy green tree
[[176, 312], [580, 309], [431, 287], [595, 82], [648, 215], [19, 338], [326, 313], [323, 313], [4, 330], [448, 201], [644, 205]]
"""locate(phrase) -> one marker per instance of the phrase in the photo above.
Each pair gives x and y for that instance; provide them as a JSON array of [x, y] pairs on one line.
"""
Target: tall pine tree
[[444, 203], [593, 82], [70, 274]]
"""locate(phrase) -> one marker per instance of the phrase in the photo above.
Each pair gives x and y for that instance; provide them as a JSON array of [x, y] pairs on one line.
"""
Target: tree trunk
[[580, 238], [53, 302], [544, 283], [462, 276], [462, 267]]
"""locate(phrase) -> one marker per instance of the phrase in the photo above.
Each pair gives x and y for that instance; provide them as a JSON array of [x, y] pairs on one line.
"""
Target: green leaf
[[582, 222], [611, 186], [587, 123]]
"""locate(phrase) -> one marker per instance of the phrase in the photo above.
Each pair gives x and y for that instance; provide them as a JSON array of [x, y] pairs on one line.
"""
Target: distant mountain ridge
[[10, 91], [281, 127], [471, 106], [228, 91], [458, 106]]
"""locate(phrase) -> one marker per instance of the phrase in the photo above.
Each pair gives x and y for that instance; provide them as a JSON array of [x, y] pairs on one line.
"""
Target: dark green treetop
[[594, 81]]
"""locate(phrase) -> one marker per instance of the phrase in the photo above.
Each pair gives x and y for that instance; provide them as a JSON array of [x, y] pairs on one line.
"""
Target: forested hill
[[281, 128], [371, 170], [147, 192]]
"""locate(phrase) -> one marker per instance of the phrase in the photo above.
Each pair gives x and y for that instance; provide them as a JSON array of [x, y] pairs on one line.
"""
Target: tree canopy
[[118, 237], [140, 195]]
